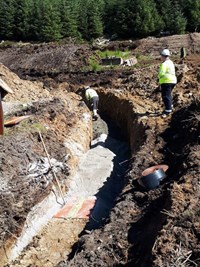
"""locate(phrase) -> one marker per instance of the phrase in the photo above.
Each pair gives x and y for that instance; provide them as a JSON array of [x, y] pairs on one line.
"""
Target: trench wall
[[121, 110]]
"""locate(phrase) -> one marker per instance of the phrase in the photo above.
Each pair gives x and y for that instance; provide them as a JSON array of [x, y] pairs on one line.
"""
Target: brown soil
[[53, 243], [160, 227], [54, 116]]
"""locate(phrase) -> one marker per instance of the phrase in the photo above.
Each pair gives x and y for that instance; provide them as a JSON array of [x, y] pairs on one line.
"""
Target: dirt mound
[[24, 185], [172, 246], [45, 59], [23, 91], [153, 46]]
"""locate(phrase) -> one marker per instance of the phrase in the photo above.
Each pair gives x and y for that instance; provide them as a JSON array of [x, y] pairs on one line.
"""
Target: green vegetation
[[37, 127], [144, 57], [7, 44], [53, 20], [115, 53], [94, 64], [94, 61], [24, 126]]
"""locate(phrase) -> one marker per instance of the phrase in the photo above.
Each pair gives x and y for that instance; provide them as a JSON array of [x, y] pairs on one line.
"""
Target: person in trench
[[167, 80], [92, 99]]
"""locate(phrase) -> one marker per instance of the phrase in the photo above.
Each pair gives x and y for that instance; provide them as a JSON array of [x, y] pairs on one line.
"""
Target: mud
[[157, 228]]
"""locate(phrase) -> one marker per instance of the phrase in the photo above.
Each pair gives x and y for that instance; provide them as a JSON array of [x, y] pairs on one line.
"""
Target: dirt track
[[157, 228]]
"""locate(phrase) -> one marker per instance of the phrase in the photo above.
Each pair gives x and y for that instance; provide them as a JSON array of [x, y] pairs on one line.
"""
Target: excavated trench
[[102, 176], [131, 237], [99, 179]]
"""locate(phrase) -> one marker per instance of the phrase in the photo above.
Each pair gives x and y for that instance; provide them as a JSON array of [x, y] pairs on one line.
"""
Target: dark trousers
[[94, 102], [166, 91]]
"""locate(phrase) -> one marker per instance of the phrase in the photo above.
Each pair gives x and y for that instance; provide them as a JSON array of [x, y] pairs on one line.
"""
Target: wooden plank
[[15, 120]]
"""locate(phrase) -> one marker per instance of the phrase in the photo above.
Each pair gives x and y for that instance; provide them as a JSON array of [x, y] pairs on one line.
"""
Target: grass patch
[[144, 57], [6, 44], [116, 53], [94, 64], [24, 126], [38, 127], [9, 44]]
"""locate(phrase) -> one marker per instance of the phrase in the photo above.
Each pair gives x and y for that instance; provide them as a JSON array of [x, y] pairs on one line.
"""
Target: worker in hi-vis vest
[[167, 80], [93, 99]]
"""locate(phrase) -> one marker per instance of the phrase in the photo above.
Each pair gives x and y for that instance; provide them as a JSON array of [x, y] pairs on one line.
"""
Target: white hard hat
[[165, 53]]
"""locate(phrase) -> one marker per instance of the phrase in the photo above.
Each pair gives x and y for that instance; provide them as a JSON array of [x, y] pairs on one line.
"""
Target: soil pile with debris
[[27, 176], [156, 228]]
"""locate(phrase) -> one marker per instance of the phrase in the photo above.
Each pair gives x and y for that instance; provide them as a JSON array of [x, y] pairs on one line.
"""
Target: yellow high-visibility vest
[[90, 93], [166, 72]]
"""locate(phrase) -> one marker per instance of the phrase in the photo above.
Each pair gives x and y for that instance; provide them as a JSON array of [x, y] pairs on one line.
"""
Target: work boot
[[95, 115], [165, 114], [95, 118]]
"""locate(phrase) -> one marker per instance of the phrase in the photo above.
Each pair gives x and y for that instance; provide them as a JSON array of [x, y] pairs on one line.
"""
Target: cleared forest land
[[159, 227]]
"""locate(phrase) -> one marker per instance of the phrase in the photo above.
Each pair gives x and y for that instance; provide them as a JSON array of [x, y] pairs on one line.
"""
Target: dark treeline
[[51, 20]]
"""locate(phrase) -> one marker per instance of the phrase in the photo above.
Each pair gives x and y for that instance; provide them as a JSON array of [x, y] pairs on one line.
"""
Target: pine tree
[[173, 17], [50, 20], [146, 18], [82, 19], [135, 18], [68, 18], [115, 18], [35, 20], [192, 13], [21, 18], [95, 26], [178, 22], [6, 19], [50, 29]]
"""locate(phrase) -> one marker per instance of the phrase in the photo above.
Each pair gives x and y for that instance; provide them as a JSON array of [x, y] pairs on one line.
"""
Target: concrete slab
[[94, 169]]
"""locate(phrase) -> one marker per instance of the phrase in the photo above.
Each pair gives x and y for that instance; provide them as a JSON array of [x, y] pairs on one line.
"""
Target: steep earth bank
[[26, 176]]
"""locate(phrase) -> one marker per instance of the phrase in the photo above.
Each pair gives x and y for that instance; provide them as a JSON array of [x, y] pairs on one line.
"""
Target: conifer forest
[[53, 20]]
